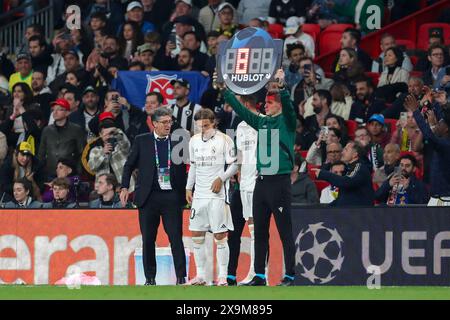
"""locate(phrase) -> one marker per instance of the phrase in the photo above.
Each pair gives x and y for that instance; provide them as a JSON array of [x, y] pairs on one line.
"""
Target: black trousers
[[167, 206], [273, 195], [234, 237]]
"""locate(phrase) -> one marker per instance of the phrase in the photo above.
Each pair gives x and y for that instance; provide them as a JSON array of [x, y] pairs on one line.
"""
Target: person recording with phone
[[111, 153], [128, 118], [403, 187]]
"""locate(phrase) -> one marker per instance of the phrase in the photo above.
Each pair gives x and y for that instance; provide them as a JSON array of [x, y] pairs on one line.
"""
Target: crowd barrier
[[353, 246]]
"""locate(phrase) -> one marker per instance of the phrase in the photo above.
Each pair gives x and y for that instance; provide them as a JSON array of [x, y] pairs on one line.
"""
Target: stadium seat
[[374, 76], [329, 41], [414, 60], [338, 27], [416, 74], [422, 34], [320, 185], [303, 153], [312, 29], [310, 173], [276, 31], [352, 125], [408, 44]]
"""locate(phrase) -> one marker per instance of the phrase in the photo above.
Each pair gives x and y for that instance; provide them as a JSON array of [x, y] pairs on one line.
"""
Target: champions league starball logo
[[319, 253], [247, 62]]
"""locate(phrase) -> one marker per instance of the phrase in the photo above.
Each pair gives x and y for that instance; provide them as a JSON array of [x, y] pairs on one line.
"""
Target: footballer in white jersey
[[209, 153]]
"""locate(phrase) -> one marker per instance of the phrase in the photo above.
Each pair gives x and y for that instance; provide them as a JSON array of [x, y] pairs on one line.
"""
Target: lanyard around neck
[[157, 155]]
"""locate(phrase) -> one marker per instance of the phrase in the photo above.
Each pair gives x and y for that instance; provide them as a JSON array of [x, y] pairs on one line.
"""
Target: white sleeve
[[231, 171], [191, 177]]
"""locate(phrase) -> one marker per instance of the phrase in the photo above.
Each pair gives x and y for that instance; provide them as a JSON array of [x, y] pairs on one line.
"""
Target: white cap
[[292, 24], [225, 4], [133, 5], [188, 2]]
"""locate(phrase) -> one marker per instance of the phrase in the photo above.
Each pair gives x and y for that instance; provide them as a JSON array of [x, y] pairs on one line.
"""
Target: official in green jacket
[[275, 161]]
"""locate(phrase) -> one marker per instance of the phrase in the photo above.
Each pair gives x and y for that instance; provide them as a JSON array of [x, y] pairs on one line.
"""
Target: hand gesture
[[445, 80], [217, 85], [279, 76], [216, 185], [107, 149], [189, 196], [432, 121], [124, 195], [440, 97], [124, 102], [395, 179], [411, 103]]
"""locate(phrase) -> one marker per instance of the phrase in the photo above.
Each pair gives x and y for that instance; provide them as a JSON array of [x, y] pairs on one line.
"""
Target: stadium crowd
[[63, 126]]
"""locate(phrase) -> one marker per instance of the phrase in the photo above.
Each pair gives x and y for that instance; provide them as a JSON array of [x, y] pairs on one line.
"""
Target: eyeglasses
[[362, 135], [165, 122]]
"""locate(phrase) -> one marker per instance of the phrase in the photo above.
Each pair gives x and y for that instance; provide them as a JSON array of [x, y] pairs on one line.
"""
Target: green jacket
[[366, 13], [275, 134]]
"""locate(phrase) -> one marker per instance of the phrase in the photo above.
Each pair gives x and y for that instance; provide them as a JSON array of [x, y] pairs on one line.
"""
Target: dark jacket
[[355, 188], [304, 191], [439, 168], [393, 112], [142, 157], [32, 130], [100, 204], [43, 100], [59, 205], [61, 142], [79, 118], [43, 61], [364, 110], [14, 205], [417, 192]]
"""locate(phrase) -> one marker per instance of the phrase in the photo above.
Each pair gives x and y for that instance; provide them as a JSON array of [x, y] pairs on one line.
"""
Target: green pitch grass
[[222, 293]]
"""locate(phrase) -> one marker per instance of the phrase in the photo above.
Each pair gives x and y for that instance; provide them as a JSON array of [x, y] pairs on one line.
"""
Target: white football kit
[[209, 210], [246, 143]]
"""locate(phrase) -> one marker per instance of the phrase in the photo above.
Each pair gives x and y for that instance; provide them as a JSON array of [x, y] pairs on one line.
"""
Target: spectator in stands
[[378, 131], [330, 193], [61, 189], [97, 23], [313, 79], [415, 87], [135, 13], [22, 164], [82, 43], [128, 118], [41, 58], [106, 188], [88, 110], [153, 101], [337, 122], [214, 38], [129, 39], [327, 149], [393, 80], [443, 80], [391, 157], [73, 79], [185, 60], [31, 30], [65, 168], [349, 67], [62, 42], [303, 188], [71, 64], [226, 13], [374, 151], [351, 39], [192, 42], [436, 38], [303, 138], [436, 55], [61, 139], [281, 10], [408, 135], [402, 187], [113, 9], [295, 52], [146, 55], [111, 153], [183, 109], [23, 197], [250, 9], [366, 103], [321, 106], [388, 41], [342, 100], [208, 15], [24, 71], [42, 95], [6, 66], [295, 34], [439, 141], [355, 188]]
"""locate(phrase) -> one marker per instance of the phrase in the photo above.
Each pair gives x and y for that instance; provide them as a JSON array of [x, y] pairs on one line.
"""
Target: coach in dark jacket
[[160, 191], [355, 188]]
